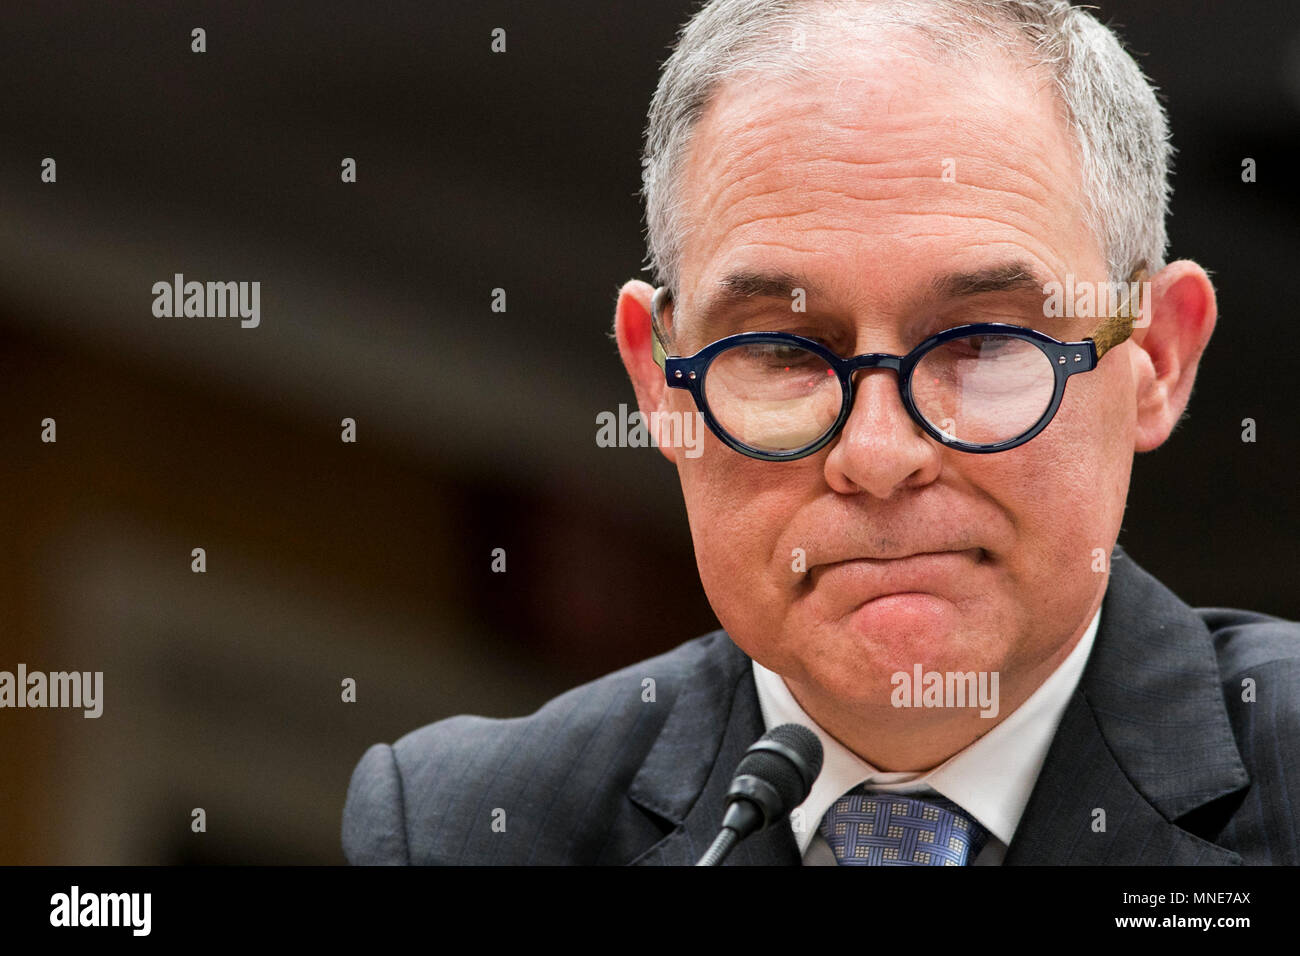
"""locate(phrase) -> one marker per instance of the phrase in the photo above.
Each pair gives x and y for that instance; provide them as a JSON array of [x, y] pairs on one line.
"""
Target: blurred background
[[475, 428]]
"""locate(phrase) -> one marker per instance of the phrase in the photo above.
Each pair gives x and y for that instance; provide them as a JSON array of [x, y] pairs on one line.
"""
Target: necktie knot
[[893, 829]]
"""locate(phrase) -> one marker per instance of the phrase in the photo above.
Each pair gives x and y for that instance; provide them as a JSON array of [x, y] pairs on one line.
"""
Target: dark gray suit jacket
[[1156, 734]]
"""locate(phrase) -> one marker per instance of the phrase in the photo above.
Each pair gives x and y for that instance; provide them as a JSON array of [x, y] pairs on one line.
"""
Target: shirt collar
[[990, 779]]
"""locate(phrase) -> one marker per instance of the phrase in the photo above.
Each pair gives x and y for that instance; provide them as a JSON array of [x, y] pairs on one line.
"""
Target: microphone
[[772, 779]]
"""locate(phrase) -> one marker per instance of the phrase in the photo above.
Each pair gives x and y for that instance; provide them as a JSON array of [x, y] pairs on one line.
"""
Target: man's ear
[[1181, 320], [632, 331]]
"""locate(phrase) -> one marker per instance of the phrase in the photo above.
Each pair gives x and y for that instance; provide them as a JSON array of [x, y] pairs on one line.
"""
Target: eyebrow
[[1010, 277], [736, 288], [749, 285]]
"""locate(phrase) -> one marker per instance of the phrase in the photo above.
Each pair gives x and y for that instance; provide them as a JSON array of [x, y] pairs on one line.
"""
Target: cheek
[[738, 508], [1065, 492], [1092, 451]]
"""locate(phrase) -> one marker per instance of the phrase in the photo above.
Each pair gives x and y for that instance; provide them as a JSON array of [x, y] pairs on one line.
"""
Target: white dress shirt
[[990, 779]]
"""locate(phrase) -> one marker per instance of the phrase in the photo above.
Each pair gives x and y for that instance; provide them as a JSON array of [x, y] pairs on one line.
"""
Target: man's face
[[914, 554]]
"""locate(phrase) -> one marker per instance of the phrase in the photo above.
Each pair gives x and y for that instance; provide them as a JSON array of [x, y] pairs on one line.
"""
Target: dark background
[[476, 429]]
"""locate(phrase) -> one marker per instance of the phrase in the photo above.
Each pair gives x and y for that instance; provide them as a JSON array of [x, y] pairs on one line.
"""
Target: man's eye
[[784, 353], [776, 353], [778, 357], [983, 344]]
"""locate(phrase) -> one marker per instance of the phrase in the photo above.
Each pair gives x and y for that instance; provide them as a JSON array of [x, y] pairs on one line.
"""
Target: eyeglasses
[[979, 388]]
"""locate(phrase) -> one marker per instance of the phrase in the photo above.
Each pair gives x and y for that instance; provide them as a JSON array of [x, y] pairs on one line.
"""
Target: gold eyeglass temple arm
[[657, 351], [1117, 329]]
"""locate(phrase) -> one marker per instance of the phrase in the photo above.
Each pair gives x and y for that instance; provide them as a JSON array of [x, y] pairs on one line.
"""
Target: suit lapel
[[1145, 741], [685, 776]]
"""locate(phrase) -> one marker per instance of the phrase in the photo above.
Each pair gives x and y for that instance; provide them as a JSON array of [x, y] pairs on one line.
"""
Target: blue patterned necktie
[[891, 829]]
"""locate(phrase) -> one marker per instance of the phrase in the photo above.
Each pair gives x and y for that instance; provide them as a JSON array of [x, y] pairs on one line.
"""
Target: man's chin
[[856, 657], [899, 630]]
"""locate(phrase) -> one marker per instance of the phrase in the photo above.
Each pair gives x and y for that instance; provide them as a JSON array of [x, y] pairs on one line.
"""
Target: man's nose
[[881, 448]]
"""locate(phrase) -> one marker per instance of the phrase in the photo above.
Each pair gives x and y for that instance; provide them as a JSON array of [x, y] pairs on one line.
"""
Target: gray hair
[[1118, 125]]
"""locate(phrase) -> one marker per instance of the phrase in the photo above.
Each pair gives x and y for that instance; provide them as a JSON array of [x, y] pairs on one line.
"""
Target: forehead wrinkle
[[1020, 226], [966, 142], [817, 174], [740, 136], [1023, 182], [893, 189], [808, 176]]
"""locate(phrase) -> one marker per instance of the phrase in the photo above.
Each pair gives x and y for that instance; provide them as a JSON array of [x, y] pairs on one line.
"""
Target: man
[[914, 558]]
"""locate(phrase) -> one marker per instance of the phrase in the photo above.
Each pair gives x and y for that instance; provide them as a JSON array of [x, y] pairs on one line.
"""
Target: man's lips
[[859, 580]]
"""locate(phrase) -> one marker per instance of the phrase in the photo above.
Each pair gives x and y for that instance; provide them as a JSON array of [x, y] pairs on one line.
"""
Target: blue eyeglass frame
[[1067, 358]]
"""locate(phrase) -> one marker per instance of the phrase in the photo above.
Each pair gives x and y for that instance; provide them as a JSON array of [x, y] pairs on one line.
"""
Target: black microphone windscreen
[[778, 770]]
